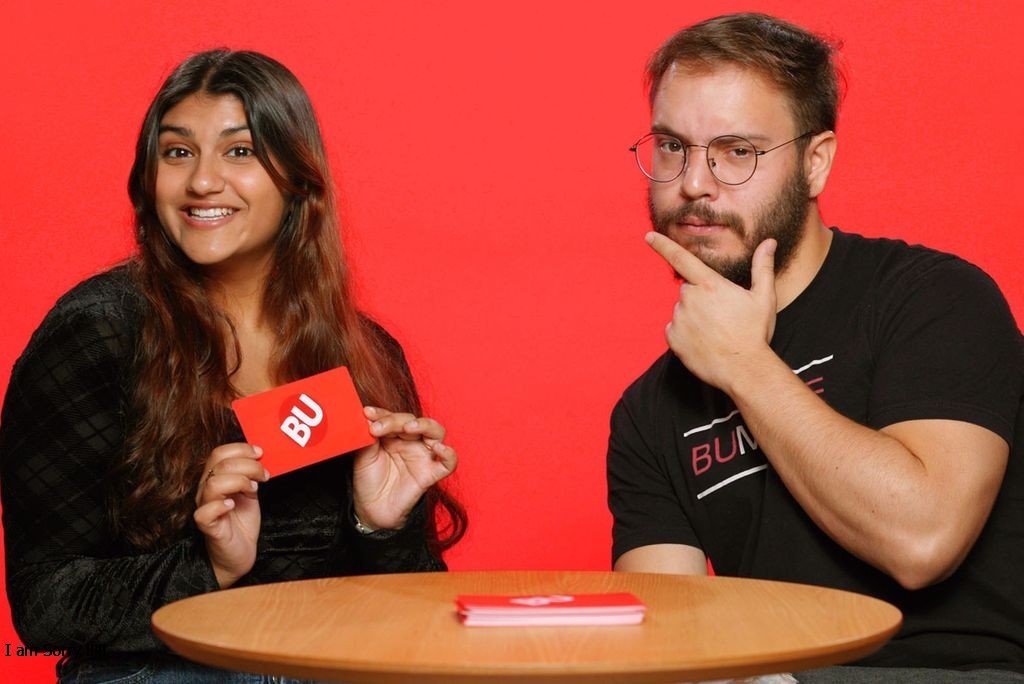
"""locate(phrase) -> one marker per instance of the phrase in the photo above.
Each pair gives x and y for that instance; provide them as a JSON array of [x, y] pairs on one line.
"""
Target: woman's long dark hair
[[179, 406]]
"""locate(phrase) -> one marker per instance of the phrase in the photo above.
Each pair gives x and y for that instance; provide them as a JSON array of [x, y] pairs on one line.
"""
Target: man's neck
[[806, 261]]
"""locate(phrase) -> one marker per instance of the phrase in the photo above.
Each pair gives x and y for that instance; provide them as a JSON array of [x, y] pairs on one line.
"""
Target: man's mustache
[[702, 212]]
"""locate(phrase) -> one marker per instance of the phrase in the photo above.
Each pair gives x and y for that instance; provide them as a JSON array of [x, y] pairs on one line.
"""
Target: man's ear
[[818, 161]]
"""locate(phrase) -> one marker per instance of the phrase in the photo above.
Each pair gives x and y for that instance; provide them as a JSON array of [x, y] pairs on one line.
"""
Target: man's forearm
[[906, 513]]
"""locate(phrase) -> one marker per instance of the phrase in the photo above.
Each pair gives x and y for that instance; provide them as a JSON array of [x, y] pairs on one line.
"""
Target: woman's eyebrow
[[178, 130]]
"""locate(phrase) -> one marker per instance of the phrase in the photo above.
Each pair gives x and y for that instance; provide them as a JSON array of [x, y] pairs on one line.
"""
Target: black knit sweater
[[74, 585]]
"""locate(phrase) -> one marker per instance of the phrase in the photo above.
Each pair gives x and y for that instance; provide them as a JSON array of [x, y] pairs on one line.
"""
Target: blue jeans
[[155, 668]]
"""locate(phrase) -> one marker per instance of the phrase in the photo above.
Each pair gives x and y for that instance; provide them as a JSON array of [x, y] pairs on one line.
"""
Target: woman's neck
[[239, 295]]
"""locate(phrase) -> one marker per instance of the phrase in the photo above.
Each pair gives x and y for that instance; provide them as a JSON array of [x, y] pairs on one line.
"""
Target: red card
[[305, 421], [550, 609]]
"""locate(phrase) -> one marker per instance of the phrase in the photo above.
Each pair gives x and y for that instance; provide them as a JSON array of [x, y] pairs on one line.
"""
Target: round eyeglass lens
[[660, 157], [732, 159]]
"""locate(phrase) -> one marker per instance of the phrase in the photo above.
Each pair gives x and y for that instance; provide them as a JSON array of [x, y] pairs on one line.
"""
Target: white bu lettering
[[298, 425]]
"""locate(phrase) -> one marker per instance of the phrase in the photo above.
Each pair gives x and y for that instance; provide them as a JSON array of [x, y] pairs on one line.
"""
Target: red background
[[491, 211]]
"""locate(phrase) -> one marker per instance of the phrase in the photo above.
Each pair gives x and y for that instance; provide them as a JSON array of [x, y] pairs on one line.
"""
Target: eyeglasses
[[732, 159]]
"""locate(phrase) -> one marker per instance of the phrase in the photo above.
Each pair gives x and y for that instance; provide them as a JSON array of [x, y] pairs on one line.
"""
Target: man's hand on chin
[[719, 328]]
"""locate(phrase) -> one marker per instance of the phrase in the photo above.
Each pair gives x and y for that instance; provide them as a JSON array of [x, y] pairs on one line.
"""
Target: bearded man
[[833, 409]]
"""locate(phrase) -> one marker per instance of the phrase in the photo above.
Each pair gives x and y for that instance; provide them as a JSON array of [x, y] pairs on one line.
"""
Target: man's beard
[[782, 219]]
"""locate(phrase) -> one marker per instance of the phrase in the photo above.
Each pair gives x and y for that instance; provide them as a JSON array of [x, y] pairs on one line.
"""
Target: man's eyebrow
[[664, 130], [186, 132], [752, 137]]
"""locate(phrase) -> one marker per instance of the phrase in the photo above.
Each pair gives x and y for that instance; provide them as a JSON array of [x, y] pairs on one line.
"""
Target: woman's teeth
[[217, 212]]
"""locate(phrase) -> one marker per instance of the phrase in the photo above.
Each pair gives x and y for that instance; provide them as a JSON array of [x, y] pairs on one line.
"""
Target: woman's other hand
[[228, 510], [391, 475]]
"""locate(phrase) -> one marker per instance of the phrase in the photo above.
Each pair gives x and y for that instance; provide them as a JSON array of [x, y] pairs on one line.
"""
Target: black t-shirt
[[884, 333]]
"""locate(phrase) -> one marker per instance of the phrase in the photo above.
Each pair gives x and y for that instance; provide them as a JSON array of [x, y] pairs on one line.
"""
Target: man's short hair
[[798, 62]]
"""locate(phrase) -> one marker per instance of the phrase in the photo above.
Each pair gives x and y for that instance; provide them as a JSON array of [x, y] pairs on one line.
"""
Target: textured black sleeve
[[71, 584], [404, 551]]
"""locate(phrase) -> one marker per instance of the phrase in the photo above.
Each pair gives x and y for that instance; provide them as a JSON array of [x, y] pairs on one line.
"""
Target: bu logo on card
[[535, 601], [300, 414]]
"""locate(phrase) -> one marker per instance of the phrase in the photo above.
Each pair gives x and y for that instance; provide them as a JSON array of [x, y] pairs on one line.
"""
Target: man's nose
[[697, 181]]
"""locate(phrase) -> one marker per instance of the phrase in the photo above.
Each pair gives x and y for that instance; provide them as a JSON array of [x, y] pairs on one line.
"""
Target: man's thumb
[[762, 269]]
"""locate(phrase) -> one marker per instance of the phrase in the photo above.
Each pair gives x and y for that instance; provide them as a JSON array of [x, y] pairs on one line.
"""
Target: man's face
[[723, 224]]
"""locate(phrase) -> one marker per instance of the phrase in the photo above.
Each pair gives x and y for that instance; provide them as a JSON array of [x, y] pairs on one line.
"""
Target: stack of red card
[[554, 609]]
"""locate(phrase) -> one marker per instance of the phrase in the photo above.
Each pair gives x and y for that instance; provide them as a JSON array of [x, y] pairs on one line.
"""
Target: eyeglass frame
[[686, 155]]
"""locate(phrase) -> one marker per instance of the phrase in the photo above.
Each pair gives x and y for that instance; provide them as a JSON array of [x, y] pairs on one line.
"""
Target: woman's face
[[213, 197]]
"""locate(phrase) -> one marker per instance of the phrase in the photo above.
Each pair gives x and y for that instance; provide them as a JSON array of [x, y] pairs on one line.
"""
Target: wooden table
[[403, 628]]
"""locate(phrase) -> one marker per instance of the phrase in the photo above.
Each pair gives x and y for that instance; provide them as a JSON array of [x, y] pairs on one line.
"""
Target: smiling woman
[[127, 483], [214, 198]]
